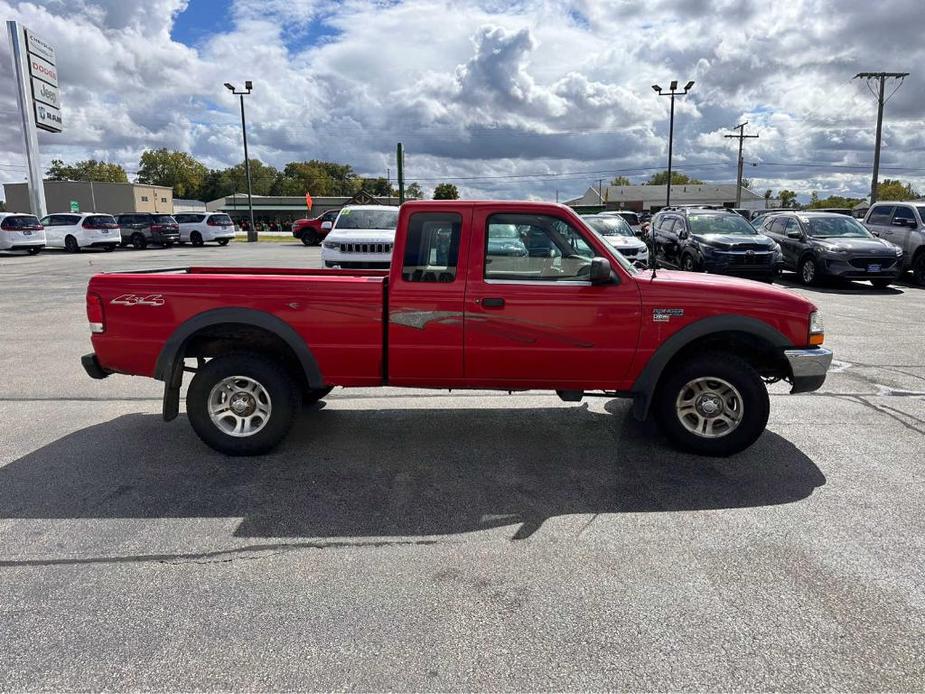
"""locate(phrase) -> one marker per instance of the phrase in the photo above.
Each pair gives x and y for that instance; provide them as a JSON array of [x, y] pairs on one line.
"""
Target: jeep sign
[[44, 92]]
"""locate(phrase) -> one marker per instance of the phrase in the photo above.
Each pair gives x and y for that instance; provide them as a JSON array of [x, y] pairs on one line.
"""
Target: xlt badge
[[663, 315]]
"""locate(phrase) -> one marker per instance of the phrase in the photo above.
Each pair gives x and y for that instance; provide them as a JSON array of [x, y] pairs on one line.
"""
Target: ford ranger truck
[[567, 314]]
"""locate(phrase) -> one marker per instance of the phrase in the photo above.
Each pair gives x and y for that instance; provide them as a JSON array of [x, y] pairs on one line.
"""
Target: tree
[[746, 182], [622, 181], [376, 186], [768, 194], [413, 191], [177, 170], [833, 201], [894, 189], [677, 179], [320, 178], [88, 170], [446, 191], [787, 198]]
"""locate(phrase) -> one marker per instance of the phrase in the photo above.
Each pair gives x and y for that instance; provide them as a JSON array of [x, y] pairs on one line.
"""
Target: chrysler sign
[[43, 74]]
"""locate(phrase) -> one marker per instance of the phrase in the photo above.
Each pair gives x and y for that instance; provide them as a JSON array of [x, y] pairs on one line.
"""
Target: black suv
[[142, 228], [816, 244], [713, 240]]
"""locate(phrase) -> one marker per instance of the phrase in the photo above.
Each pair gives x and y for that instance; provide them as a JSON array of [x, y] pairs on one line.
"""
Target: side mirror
[[326, 225], [794, 234], [683, 234], [601, 271]]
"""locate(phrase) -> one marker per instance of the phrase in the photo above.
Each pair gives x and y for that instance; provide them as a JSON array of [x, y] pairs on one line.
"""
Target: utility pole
[[741, 136], [673, 92], [400, 157], [880, 77], [600, 191]]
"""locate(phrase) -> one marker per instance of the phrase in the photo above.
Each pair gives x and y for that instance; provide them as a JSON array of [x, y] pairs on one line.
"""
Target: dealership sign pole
[[34, 66]]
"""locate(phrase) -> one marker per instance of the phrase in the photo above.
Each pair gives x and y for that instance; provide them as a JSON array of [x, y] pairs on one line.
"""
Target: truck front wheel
[[242, 403], [713, 404]]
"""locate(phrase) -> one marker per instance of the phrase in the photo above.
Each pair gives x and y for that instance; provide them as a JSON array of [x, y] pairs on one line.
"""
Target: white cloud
[[488, 89]]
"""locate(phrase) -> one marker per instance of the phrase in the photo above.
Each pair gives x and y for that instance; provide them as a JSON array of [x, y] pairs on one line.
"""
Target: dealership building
[[652, 198], [92, 196], [282, 211]]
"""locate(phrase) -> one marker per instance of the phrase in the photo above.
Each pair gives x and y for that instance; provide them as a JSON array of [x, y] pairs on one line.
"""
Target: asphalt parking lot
[[409, 540]]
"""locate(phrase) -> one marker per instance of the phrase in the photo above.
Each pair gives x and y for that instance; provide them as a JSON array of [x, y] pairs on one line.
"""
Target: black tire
[[313, 395], [306, 241], [71, 245], [689, 263], [276, 381], [881, 284], [719, 366], [808, 272], [138, 241], [195, 238], [223, 242], [34, 251], [918, 269]]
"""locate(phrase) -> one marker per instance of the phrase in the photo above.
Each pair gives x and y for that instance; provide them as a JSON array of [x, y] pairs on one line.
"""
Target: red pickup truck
[[311, 232], [489, 295]]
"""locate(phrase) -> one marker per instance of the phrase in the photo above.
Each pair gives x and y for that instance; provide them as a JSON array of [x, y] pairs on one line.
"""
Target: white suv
[[21, 232], [87, 230], [362, 237], [198, 228]]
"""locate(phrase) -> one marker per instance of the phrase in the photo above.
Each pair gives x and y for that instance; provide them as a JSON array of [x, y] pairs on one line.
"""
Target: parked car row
[[814, 244], [76, 231]]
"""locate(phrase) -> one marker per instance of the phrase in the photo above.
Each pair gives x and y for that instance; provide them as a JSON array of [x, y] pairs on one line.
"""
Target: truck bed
[[340, 313]]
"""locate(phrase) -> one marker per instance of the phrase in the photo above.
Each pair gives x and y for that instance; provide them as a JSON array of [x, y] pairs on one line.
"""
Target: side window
[[329, 216], [881, 214], [181, 218], [432, 247], [775, 225], [790, 224], [905, 214], [535, 247]]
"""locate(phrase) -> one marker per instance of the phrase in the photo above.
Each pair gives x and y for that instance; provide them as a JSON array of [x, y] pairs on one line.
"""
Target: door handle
[[491, 302]]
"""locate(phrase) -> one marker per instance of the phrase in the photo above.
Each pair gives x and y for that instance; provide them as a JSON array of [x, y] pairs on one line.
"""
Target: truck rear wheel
[[242, 403], [714, 404]]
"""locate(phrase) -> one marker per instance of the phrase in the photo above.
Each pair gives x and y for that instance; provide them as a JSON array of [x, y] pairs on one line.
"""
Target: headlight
[[706, 250], [899, 251], [331, 245], [775, 249], [816, 329], [643, 253], [834, 250]]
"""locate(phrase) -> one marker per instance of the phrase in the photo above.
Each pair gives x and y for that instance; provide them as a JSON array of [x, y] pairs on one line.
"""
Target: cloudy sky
[[517, 98]]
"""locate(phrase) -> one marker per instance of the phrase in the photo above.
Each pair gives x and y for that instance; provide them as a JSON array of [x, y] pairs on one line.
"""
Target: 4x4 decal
[[135, 300]]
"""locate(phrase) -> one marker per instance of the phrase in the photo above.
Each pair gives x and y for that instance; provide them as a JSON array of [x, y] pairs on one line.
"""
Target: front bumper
[[742, 264], [848, 268], [808, 367]]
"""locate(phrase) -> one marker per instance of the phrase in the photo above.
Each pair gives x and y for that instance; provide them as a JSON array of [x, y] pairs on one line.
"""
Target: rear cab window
[[432, 247]]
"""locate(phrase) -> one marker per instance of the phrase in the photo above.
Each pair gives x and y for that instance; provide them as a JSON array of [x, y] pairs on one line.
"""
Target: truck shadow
[[397, 473]]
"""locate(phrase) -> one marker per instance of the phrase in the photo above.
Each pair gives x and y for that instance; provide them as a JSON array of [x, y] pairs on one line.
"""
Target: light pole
[[248, 86], [673, 87]]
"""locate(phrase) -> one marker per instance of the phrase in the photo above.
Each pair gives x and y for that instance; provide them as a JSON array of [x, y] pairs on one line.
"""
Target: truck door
[[427, 299], [533, 319]]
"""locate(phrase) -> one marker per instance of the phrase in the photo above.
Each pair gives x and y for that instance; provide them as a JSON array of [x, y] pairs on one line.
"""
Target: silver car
[[902, 223]]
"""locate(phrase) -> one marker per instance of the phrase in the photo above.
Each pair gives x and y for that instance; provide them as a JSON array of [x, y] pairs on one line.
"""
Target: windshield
[[101, 221], [610, 226], [630, 217], [25, 221], [163, 219], [720, 224], [921, 212], [367, 219], [624, 263], [840, 226]]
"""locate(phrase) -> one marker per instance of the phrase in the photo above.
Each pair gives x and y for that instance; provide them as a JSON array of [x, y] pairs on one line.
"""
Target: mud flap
[[171, 403]]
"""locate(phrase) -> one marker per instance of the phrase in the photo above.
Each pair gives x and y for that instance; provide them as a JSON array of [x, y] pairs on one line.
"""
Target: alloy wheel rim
[[809, 271], [709, 407], [239, 406]]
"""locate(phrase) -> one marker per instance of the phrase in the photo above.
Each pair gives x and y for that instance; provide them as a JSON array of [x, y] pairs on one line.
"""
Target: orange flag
[[308, 200]]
